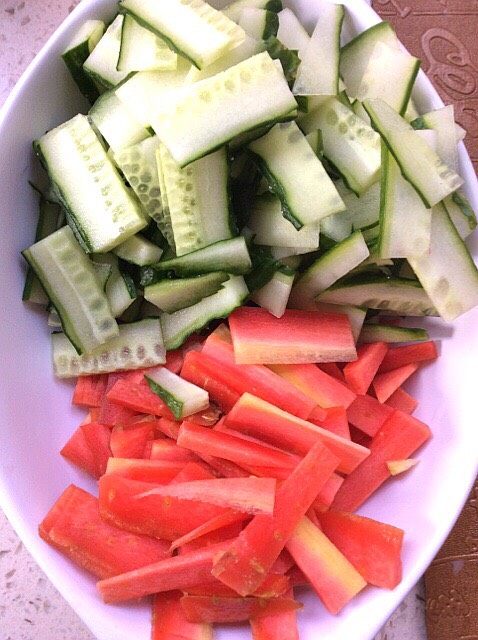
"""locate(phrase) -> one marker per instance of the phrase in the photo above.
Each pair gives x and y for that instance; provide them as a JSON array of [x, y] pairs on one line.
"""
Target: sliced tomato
[[199, 370], [74, 526], [327, 494], [179, 572], [251, 556], [225, 468], [281, 626], [138, 397], [130, 441], [78, 452], [273, 586], [374, 548], [368, 414], [335, 421], [325, 390], [385, 384], [154, 471], [219, 522], [228, 532], [332, 369], [359, 374], [162, 517], [166, 449], [298, 337], [256, 379], [169, 621], [263, 420], [112, 413], [402, 401], [174, 360], [215, 609], [399, 437], [333, 577], [89, 390], [97, 437], [170, 428], [194, 471], [408, 354]]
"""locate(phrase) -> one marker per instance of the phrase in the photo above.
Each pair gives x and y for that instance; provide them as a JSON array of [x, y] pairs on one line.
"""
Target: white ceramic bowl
[[36, 417]]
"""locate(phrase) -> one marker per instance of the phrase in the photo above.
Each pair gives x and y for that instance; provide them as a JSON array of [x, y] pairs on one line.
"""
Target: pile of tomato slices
[[225, 515]]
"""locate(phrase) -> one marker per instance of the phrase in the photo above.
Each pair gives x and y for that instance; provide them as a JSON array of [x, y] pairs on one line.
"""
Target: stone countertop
[[30, 607]]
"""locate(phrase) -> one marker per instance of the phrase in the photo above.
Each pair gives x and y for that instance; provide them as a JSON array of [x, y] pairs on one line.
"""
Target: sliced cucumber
[[405, 297], [364, 211], [250, 47], [318, 72], [172, 295], [274, 295], [103, 272], [390, 76], [291, 32], [78, 50], [101, 63], [411, 112], [138, 165], [230, 256], [120, 288], [48, 216], [54, 320], [296, 175], [359, 111], [419, 164], [181, 324], [355, 56], [349, 143], [143, 92], [138, 250], [198, 200], [443, 122], [337, 227], [192, 28], [259, 24], [271, 228], [99, 207], [282, 253], [246, 96], [405, 222], [314, 138], [234, 10], [116, 124], [391, 334], [142, 50], [182, 397], [329, 268], [461, 213], [447, 273], [138, 345], [69, 279]]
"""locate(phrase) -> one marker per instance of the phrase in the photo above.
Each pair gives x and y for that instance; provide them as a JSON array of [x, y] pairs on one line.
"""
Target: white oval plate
[[36, 418]]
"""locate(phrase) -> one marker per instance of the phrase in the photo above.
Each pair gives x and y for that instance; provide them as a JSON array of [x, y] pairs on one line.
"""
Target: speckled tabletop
[[30, 607]]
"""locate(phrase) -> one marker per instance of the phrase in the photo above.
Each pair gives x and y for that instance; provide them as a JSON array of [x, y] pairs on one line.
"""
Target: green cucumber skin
[[383, 333], [146, 25], [74, 60], [175, 405], [272, 25], [408, 95]]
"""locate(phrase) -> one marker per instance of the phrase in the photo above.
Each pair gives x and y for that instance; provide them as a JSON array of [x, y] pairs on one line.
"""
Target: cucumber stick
[[142, 50], [250, 47], [142, 92], [355, 56], [270, 228], [296, 175], [197, 198], [259, 24], [49, 215], [115, 123], [70, 281], [390, 76], [447, 273], [396, 295], [99, 208], [391, 334], [138, 165], [443, 122], [234, 10], [181, 324], [291, 32], [171, 295], [138, 250], [461, 213], [138, 345], [405, 222], [337, 227], [274, 295], [318, 72], [78, 50], [419, 164], [349, 143], [192, 28], [330, 267], [231, 256], [246, 96], [120, 288], [364, 211], [181, 396], [101, 63]]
